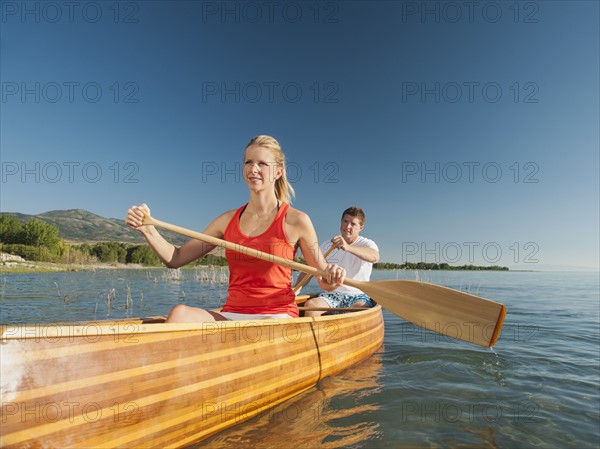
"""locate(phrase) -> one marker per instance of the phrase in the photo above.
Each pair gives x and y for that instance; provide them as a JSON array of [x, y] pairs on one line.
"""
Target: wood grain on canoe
[[131, 383]]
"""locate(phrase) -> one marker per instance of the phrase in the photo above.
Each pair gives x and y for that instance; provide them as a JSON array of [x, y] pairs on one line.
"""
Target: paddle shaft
[[148, 220]]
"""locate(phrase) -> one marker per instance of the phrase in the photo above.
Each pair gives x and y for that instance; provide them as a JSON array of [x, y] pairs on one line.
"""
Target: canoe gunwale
[[129, 326]]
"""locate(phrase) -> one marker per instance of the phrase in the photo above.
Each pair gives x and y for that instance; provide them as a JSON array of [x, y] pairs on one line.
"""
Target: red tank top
[[255, 285]]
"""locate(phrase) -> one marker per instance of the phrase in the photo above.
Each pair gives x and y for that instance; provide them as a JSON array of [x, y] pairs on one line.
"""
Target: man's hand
[[339, 242]]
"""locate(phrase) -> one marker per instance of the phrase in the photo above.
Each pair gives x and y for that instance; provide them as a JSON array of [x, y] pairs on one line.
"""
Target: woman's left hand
[[335, 274]]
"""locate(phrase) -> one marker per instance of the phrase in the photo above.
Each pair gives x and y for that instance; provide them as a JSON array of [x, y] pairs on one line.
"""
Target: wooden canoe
[[144, 383]]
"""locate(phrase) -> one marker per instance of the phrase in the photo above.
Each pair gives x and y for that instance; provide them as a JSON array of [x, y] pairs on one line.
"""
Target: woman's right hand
[[135, 217], [335, 275]]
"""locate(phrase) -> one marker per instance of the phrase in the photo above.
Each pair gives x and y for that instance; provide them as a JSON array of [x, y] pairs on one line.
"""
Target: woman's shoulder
[[295, 217], [221, 222], [227, 215]]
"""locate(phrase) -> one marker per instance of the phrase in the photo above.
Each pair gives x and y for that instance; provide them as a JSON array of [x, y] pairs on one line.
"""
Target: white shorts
[[252, 316]]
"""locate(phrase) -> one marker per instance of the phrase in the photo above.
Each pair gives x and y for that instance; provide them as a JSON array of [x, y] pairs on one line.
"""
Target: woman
[[257, 289]]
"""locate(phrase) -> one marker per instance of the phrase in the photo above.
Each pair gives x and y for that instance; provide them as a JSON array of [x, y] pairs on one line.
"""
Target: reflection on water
[[334, 414]]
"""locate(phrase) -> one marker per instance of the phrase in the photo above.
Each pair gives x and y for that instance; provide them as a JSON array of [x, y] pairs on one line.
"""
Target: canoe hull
[[138, 384]]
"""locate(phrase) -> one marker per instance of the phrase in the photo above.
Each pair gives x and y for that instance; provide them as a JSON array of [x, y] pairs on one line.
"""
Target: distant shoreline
[[15, 264], [25, 266]]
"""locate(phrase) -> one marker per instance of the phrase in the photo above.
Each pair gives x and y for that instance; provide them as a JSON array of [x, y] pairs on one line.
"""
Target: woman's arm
[[299, 228], [171, 255]]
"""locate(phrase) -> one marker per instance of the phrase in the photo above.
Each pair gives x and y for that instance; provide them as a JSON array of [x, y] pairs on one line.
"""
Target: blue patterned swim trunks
[[341, 301]]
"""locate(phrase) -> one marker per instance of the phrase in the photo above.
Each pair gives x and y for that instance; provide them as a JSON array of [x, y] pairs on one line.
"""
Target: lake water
[[538, 388]]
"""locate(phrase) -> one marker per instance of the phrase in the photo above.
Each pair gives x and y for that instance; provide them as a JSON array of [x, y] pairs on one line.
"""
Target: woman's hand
[[135, 217], [335, 275]]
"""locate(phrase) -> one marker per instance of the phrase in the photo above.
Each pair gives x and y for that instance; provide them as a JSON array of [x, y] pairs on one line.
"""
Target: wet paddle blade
[[439, 309]]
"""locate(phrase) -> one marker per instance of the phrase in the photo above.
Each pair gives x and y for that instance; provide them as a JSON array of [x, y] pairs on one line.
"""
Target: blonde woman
[[257, 289]]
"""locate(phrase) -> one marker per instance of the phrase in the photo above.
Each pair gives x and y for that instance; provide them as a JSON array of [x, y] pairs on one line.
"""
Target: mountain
[[79, 225]]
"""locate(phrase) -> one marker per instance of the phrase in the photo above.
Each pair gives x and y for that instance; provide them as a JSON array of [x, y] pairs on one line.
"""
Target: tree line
[[433, 266]]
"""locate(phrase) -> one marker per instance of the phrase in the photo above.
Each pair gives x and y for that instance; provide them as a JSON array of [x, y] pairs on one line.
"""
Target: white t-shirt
[[356, 268]]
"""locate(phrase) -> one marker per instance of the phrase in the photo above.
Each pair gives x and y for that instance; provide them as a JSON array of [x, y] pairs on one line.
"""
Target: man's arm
[[363, 252]]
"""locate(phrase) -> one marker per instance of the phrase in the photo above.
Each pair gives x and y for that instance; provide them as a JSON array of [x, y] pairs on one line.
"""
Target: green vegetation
[[433, 266], [142, 255], [38, 241], [34, 240]]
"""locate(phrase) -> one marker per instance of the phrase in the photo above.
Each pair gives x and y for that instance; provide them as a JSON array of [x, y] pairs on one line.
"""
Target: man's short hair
[[355, 212]]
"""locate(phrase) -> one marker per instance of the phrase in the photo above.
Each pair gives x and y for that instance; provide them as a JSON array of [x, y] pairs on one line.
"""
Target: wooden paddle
[[308, 277], [440, 309]]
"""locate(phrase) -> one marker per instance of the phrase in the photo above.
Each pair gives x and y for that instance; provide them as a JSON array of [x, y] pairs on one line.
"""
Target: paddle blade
[[440, 309]]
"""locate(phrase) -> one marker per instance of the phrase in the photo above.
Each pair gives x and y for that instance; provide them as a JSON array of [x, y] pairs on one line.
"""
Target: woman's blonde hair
[[283, 189]]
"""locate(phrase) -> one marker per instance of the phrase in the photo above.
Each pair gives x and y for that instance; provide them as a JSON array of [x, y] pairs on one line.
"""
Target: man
[[356, 254]]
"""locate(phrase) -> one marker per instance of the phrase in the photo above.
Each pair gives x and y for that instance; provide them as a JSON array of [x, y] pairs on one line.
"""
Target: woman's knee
[[177, 313], [186, 314]]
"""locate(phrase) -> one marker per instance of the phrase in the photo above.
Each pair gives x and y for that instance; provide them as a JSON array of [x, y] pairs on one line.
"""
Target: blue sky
[[468, 132]]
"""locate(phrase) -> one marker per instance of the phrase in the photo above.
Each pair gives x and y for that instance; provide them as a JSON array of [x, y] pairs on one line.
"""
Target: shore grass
[[49, 267]]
